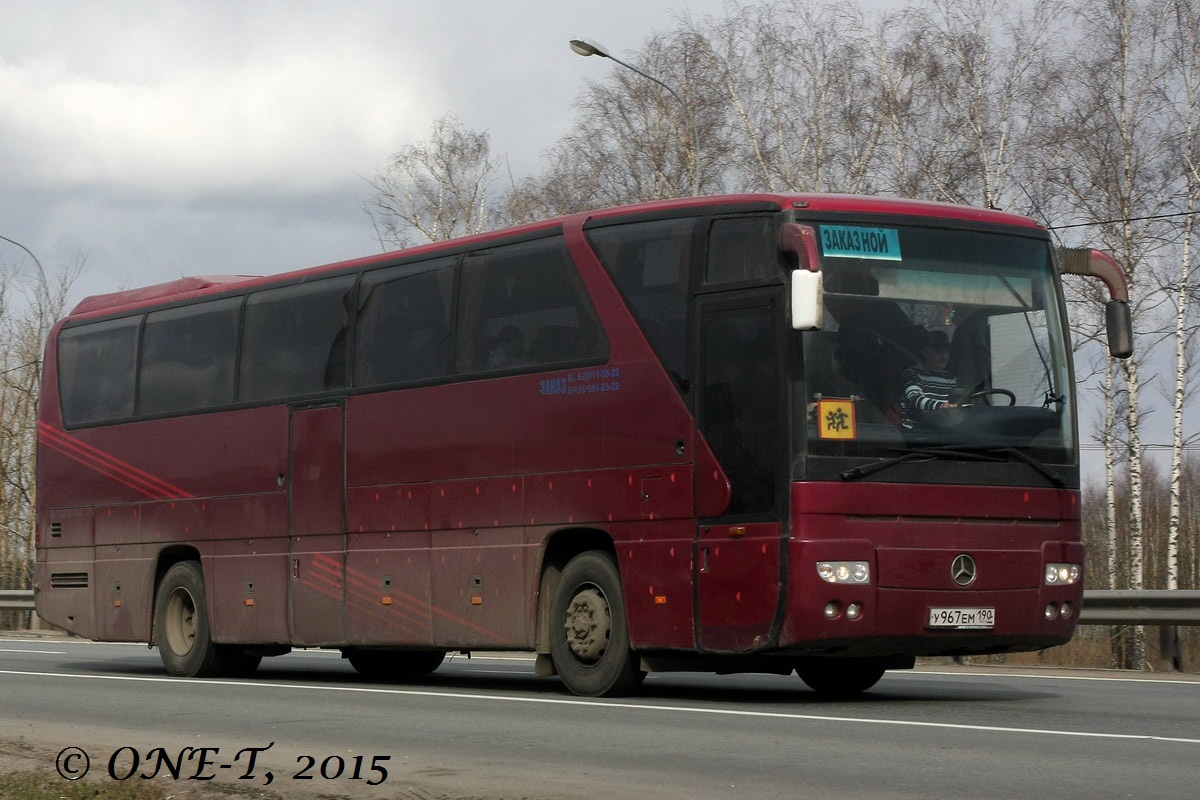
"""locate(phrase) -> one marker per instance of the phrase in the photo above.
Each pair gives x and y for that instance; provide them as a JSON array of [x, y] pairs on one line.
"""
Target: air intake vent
[[69, 580], [56, 529]]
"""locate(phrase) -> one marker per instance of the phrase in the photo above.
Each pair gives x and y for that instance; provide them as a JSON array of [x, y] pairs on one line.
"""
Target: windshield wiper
[[969, 454], [913, 454], [1038, 466]]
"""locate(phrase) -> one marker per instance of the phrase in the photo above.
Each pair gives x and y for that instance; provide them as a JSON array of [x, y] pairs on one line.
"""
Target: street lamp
[[589, 47], [26, 249]]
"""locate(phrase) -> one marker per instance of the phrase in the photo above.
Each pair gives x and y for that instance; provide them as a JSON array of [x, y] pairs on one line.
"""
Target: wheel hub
[[588, 624], [181, 622]]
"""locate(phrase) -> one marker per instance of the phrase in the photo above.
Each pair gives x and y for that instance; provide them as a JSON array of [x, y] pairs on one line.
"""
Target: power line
[[1115, 221]]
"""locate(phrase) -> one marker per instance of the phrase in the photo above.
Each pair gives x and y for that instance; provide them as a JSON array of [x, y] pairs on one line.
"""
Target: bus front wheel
[[589, 635], [181, 624]]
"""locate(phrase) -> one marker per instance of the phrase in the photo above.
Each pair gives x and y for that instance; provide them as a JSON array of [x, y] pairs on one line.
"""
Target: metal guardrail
[[1100, 606], [1145, 607], [16, 599]]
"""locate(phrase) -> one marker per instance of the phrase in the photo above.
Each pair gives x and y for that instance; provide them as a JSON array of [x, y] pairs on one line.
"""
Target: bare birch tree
[[806, 122], [30, 301], [1117, 172], [988, 75], [435, 190], [1185, 66]]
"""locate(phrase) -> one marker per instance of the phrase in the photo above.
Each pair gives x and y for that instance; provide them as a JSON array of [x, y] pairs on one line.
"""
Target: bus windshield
[[937, 338]]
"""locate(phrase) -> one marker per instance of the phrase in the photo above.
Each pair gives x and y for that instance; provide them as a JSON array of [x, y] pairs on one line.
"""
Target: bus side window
[[295, 340], [97, 366], [187, 357], [523, 306], [649, 261], [403, 329], [744, 249]]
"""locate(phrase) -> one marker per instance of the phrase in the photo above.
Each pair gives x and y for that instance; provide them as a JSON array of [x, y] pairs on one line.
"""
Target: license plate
[[963, 618]]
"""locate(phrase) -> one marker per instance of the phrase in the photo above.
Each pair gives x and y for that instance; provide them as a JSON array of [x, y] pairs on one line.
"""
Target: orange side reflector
[[660, 599], [476, 600], [116, 603], [387, 601], [249, 601]]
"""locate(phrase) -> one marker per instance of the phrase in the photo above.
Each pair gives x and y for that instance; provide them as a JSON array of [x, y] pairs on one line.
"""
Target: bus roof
[[184, 288], [179, 288]]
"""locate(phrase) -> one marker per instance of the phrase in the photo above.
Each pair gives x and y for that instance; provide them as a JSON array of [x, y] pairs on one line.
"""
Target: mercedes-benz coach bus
[[781, 433]]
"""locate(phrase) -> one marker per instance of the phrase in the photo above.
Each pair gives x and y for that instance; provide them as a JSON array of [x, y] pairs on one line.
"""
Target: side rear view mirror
[[808, 295], [1118, 319]]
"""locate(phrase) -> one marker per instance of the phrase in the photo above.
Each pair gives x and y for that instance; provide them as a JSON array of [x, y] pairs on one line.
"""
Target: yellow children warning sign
[[835, 419]]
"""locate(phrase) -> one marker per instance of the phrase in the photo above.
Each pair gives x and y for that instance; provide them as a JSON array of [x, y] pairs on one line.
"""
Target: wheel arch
[[559, 549]]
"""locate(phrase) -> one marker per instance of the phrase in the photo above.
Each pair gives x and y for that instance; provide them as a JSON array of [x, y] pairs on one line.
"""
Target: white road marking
[[658, 709]]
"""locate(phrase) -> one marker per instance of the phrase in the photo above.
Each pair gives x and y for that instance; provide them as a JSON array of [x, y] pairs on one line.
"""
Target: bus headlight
[[844, 571], [1062, 574]]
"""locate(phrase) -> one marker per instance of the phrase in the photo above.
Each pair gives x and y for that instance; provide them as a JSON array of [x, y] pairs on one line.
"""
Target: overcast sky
[[161, 139]]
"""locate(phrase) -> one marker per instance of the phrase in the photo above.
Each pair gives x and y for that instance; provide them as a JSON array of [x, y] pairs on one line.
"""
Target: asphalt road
[[486, 728]]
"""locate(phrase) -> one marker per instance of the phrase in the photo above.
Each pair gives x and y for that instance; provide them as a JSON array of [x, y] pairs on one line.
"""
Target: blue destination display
[[853, 241]]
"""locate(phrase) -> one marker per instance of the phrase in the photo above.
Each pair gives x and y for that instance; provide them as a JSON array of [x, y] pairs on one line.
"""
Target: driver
[[929, 386]]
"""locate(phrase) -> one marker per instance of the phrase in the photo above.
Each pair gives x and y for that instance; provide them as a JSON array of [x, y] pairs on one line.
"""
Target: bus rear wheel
[[181, 625], [589, 634], [840, 677]]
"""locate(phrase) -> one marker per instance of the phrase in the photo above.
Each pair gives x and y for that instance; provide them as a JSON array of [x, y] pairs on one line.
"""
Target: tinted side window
[[744, 249], [96, 370], [523, 306], [404, 323], [296, 340], [187, 357], [649, 262]]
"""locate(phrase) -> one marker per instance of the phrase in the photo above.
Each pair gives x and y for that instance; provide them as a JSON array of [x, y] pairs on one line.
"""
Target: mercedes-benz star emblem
[[963, 570]]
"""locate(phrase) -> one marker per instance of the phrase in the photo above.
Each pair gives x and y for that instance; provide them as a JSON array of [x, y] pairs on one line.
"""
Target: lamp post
[[26, 249], [588, 47]]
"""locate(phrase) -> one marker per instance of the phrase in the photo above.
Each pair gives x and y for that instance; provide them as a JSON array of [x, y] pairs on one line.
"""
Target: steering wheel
[[1012, 398]]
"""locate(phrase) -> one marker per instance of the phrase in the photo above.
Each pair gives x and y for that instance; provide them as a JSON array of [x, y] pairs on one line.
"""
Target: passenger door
[[317, 501], [740, 404]]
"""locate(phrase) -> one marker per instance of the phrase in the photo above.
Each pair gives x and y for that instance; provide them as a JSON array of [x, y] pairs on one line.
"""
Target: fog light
[[853, 611], [1066, 611], [1063, 574], [833, 610], [1051, 611], [844, 571]]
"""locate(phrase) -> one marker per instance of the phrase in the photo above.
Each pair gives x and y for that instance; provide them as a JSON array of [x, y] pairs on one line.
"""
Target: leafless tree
[[1184, 83], [30, 301], [801, 110], [435, 190], [1117, 173], [988, 72]]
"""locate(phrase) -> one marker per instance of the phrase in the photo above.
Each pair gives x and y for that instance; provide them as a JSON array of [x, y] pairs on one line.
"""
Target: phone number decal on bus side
[[587, 381]]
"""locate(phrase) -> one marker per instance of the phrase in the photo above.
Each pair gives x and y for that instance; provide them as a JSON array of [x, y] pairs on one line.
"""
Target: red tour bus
[[757, 433]]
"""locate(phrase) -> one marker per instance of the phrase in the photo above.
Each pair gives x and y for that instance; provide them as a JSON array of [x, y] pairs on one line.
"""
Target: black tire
[[589, 634], [385, 664], [841, 677], [181, 625]]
